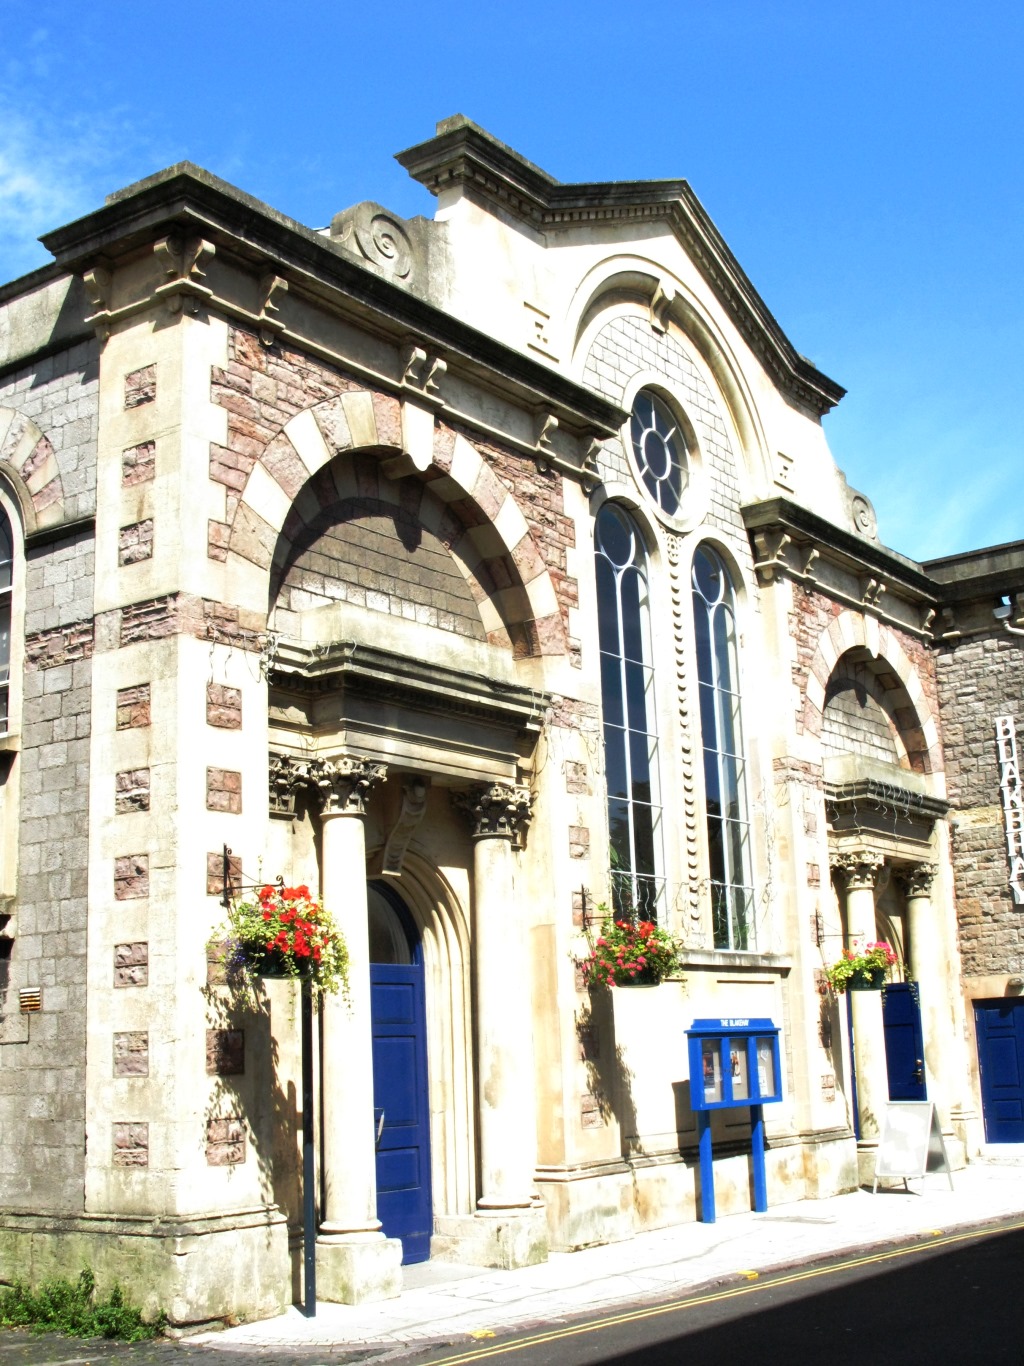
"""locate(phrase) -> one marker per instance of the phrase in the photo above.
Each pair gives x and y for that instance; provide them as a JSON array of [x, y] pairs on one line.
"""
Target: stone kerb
[[851, 630], [30, 464], [297, 476]]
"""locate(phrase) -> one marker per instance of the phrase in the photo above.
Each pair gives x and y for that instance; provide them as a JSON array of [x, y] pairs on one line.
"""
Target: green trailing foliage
[[74, 1309]]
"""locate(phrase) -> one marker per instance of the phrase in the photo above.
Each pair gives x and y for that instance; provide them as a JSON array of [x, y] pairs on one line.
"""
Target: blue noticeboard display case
[[733, 1062]]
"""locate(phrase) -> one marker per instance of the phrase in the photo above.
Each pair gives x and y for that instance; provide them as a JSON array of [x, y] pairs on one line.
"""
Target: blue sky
[[864, 161]]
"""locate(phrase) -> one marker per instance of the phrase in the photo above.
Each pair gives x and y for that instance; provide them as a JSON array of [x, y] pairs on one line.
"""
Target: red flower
[[267, 915]]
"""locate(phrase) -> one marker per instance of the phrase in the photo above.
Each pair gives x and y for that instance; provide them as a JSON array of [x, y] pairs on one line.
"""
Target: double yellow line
[[753, 1283]]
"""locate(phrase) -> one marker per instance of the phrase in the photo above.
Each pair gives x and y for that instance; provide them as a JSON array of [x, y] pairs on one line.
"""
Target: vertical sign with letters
[[1013, 803]]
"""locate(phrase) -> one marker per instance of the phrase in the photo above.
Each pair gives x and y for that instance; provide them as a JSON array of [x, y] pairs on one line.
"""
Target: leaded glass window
[[659, 451], [714, 619], [6, 581], [630, 727]]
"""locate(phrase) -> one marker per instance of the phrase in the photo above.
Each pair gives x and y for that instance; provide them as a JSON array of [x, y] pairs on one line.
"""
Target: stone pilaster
[[509, 1229]]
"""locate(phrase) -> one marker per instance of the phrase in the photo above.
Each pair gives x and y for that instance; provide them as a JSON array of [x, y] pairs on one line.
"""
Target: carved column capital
[[860, 868], [496, 810], [916, 879], [344, 783]]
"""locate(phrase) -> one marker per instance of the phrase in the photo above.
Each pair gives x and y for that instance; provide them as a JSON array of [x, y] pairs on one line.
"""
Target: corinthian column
[[355, 1262], [927, 968], [504, 1015], [860, 871]]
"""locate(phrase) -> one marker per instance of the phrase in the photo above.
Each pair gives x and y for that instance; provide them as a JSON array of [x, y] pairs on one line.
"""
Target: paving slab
[[455, 1303]]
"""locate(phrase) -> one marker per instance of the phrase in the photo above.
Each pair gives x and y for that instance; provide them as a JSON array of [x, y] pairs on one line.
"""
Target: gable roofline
[[466, 156]]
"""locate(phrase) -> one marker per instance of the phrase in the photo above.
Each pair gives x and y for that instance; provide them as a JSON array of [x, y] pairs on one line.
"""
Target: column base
[[505, 1239], [358, 1271], [867, 1155]]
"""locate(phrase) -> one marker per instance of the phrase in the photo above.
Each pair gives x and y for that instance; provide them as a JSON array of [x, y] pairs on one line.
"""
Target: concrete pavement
[[452, 1303]]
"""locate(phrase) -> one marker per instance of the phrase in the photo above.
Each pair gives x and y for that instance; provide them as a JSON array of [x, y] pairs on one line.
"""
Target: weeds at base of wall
[[73, 1308]]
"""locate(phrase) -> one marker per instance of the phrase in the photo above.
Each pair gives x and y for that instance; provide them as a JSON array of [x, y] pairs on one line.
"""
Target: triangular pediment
[[464, 157]]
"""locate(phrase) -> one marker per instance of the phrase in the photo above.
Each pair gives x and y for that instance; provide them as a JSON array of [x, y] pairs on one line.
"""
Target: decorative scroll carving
[[916, 879], [414, 805], [863, 515], [182, 262], [496, 811], [661, 307], [377, 236], [871, 592], [590, 468], [423, 372], [273, 288], [546, 426], [344, 783], [97, 286], [771, 553], [285, 776], [339, 786], [861, 869]]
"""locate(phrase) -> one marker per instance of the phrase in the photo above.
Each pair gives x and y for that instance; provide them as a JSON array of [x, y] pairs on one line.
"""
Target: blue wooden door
[[398, 1016], [1000, 1030], [904, 1041]]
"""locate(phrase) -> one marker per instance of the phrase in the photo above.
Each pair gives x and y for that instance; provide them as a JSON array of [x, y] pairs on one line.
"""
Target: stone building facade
[[482, 573]]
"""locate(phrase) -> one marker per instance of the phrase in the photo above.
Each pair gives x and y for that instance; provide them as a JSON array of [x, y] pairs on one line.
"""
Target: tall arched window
[[630, 727], [714, 620], [6, 587]]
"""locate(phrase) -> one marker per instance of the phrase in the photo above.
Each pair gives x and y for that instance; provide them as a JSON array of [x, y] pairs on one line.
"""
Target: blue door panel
[[395, 1002], [904, 1041], [1000, 1030], [404, 1204]]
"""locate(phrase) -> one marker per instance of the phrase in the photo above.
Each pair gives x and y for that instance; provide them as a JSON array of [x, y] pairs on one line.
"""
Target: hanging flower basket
[[867, 971], [630, 953], [285, 932]]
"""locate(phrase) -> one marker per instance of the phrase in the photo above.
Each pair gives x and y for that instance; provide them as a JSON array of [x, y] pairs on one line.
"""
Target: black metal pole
[[308, 1180]]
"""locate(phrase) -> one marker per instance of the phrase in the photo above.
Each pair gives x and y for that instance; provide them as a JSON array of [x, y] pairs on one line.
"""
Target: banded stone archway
[[486, 532]]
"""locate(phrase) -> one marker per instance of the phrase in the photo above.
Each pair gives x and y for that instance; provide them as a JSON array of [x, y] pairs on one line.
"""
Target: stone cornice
[[465, 156], [388, 676], [185, 206], [792, 542]]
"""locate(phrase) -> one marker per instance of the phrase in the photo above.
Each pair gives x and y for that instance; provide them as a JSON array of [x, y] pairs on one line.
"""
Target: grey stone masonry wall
[[60, 395], [979, 680], [42, 1056]]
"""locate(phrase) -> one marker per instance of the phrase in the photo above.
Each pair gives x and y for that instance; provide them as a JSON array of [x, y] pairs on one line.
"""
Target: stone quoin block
[[223, 706], [131, 791], [133, 708], [131, 1054], [215, 873], [131, 965], [575, 776], [131, 1144], [225, 1141], [224, 790], [590, 1111], [579, 841], [225, 1052], [138, 463], [140, 387], [131, 877], [217, 963], [135, 542]]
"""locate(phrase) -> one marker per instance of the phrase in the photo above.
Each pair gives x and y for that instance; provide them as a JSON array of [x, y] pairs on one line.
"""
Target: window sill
[[10, 744], [738, 961]]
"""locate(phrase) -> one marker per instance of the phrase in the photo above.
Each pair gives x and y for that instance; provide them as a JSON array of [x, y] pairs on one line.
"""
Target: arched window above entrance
[[392, 935]]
